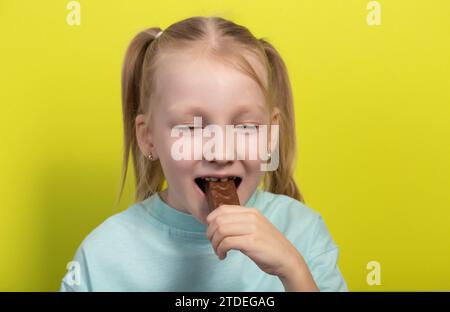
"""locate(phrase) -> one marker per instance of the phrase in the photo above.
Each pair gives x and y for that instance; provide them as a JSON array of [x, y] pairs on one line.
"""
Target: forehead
[[185, 81]]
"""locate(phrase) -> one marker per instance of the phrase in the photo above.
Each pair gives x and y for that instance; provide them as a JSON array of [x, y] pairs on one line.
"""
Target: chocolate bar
[[221, 193]]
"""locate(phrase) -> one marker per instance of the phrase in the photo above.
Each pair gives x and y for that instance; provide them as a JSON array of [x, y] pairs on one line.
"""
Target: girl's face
[[188, 87]]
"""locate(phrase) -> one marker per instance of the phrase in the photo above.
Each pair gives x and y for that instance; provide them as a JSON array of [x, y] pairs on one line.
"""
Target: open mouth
[[201, 181]]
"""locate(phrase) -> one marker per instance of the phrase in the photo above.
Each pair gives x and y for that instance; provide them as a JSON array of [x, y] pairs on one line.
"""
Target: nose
[[223, 160], [222, 152]]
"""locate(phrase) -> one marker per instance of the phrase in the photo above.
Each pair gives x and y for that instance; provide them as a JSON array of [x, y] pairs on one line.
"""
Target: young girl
[[169, 240]]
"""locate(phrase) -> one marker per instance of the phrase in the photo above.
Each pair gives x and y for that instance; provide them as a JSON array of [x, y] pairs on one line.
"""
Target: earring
[[150, 156], [269, 156]]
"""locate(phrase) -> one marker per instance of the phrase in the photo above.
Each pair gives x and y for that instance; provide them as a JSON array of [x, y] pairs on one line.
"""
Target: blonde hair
[[227, 41]]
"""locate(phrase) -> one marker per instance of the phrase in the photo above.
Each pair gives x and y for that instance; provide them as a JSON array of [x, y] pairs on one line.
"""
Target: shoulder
[[107, 247], [285, 211], [301, 224], [307, 231], [116, 230]]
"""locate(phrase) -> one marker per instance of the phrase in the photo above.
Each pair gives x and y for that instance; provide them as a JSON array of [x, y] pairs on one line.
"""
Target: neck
[[166, 198]]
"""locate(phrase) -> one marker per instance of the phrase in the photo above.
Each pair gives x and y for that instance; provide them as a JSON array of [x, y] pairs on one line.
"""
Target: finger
[[222, 219], [231, 229], [225, 209], [242, 243]]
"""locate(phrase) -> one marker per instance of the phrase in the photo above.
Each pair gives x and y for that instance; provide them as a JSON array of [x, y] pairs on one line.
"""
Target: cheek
[[178, 173], [175, 147], [163, 143], [253, 165], [255, 148], [174, 169], [253, 171]]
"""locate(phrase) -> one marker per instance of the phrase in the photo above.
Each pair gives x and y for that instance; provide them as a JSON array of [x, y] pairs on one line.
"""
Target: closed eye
[[251, 127], [186, 127]]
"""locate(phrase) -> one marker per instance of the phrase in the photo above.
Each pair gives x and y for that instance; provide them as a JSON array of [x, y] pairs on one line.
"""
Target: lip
[[201, 186], [202, 194], [217, 175]]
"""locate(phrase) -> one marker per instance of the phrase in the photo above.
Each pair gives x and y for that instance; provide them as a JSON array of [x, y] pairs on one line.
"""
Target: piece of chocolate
[[221, 193]]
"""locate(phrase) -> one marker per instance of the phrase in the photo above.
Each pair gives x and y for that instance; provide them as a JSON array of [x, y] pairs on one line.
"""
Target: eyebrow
[[248, 108], [199, 110], [196, 110]]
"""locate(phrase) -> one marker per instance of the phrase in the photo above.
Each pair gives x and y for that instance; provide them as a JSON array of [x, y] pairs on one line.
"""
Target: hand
[[247, 230]]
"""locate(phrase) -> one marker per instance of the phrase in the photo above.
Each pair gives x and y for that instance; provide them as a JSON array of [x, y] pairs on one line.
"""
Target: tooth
[[214, 179], [224, 180], [207, 179]]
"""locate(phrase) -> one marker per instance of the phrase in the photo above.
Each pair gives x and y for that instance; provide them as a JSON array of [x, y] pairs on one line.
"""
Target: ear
[[144, 135], [273, 138]]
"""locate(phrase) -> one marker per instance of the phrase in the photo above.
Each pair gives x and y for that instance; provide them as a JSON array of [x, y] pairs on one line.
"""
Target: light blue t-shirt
[[153, 247]]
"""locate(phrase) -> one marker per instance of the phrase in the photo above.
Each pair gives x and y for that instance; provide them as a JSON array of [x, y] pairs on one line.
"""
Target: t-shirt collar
[[181, 220]]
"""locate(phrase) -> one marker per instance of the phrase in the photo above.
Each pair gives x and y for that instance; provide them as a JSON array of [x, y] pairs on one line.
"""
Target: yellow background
[[372, 111]]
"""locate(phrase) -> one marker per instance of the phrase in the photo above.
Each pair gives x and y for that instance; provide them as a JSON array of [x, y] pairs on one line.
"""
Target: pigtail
[[131, 106], [281, 180]]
